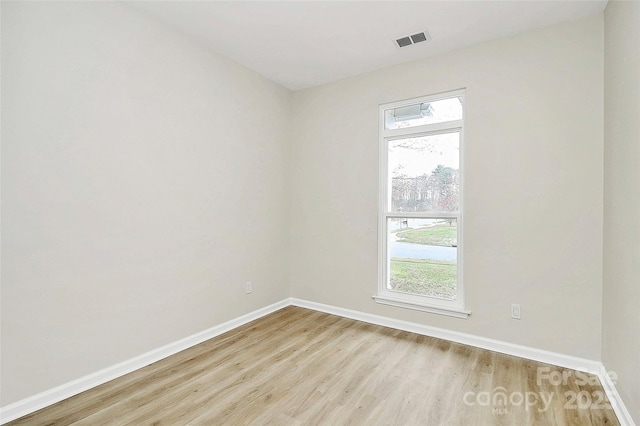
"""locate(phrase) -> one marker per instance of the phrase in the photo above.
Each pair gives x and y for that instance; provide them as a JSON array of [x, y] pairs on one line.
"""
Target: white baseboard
[[59, 393], [624, 417], [540, 355]]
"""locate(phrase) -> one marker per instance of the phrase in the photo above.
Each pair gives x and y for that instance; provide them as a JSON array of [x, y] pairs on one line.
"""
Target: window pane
[[423, 113], [424, 173], [423, 257]]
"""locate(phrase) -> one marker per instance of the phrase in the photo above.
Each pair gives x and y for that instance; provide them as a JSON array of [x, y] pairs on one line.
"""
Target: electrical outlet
[[248, 287], [515, 311]]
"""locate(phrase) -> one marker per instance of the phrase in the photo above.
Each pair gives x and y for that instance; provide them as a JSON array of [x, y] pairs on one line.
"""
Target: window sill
[[434, 309]]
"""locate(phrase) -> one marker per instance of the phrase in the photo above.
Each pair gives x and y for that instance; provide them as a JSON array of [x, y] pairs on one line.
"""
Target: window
[[420, 223]]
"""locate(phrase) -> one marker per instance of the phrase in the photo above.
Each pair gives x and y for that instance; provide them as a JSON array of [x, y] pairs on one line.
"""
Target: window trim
[[404, 300]]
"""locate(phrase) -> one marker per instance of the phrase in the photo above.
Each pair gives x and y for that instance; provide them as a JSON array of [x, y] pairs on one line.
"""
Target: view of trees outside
[[424, 175], [437, 191]]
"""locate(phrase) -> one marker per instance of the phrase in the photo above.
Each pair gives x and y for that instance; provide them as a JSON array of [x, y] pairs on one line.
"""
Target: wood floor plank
[[302, 367]]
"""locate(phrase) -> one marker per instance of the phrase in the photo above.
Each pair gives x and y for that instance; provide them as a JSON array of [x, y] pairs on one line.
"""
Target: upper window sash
[[419, 169]]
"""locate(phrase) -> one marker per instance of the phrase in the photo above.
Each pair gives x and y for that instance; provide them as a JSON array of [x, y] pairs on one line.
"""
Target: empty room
[[320, 212]]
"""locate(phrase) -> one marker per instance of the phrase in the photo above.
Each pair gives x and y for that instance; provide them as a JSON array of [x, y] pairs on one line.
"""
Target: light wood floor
[[302, 367]]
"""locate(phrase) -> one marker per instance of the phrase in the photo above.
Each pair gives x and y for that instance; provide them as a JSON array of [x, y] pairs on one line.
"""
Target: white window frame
[[455, 308]]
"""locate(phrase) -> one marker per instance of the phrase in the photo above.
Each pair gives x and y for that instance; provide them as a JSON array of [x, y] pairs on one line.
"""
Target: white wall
[[144, 180], [621, 316], [533, 182]]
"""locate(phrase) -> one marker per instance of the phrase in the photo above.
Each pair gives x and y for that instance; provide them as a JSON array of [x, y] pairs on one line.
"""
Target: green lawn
[[425, 277], [439, 235]]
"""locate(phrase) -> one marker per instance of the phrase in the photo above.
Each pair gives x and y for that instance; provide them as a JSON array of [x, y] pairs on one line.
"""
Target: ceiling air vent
[[413, 39]]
